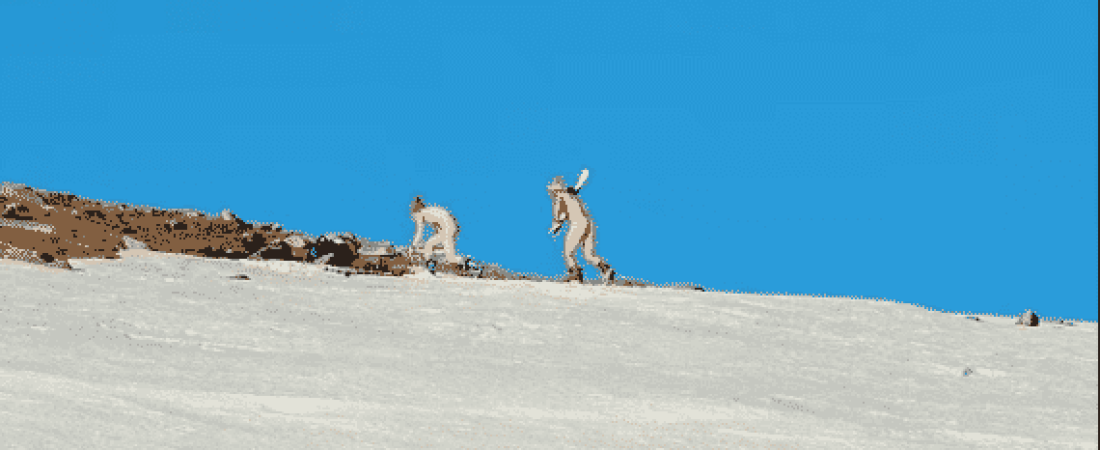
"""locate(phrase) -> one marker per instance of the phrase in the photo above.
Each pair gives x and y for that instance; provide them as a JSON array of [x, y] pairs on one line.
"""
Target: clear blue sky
[[937, 153]]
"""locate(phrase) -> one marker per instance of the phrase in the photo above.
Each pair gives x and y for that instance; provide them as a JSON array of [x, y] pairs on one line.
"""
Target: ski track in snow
[[166, 351]]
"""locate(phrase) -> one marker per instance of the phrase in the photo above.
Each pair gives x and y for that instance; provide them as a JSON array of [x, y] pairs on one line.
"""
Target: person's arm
[[559, 215], [419, 230]]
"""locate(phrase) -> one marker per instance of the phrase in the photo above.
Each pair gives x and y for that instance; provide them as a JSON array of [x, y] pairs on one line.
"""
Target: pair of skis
[[580, 182]]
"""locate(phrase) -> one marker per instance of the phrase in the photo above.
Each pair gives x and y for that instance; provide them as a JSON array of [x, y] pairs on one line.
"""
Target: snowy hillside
[[158, 350]]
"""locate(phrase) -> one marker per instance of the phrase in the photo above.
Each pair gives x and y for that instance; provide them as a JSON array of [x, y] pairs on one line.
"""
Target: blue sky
[[937, 153]]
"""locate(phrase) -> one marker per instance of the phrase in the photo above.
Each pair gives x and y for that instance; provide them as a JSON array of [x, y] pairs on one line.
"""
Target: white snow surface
[[157, 351]]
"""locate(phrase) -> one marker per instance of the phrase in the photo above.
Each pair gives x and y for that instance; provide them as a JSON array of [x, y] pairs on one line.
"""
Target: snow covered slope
[[166, 351]]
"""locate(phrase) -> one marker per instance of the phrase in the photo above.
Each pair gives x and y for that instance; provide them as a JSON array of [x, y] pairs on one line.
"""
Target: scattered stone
[[9, 189], [186, 212], [1028, 318], [133, 244], [27, 225], [376, 248], [335, 238], [296, 241], [59, 264]]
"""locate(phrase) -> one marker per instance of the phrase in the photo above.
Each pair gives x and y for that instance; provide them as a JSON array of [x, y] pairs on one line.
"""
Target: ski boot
[[607, 274], [439, 266], [471, 268], [422, 262], [575, 274], [463, 269]]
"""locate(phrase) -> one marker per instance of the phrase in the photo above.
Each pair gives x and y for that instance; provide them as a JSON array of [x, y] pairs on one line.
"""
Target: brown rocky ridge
[[52, 228]]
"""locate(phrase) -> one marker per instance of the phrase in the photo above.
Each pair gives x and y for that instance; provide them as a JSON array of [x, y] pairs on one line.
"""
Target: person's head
[[556, 186], [417, 205]]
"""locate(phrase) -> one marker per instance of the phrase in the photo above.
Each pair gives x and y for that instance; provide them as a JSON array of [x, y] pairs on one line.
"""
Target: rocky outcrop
[[1028, 318], [35, 229], [50, 228]]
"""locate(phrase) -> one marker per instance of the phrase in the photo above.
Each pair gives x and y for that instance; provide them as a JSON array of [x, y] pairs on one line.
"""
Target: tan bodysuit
[[568, 207], [445, 229]]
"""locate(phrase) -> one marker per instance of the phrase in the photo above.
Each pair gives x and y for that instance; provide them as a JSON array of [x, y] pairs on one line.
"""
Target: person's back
[[437, 217], [571, 208]]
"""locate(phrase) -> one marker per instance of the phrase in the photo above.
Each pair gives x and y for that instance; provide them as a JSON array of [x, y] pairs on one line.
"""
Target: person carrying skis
[[568, 207], [445, 229]]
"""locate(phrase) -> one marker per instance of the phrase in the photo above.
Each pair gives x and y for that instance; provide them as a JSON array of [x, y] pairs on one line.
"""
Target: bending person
[[445, 230]]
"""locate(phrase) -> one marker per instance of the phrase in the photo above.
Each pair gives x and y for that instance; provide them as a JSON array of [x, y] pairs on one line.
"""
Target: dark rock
[[16, 211], [254, 242], [278, 250], [336, 250]]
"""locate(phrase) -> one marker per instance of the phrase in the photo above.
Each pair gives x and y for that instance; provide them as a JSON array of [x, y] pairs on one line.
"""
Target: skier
[[568, 207], [445, 229]]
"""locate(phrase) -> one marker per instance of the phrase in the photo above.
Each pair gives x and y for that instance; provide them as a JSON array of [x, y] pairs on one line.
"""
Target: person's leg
[[429, 247], [449, 250], [573, 239], [449, 231], [589, 248], [592, 258]]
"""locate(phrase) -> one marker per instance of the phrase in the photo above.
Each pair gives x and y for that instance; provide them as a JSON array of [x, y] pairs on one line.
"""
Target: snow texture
[[167, 351]]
